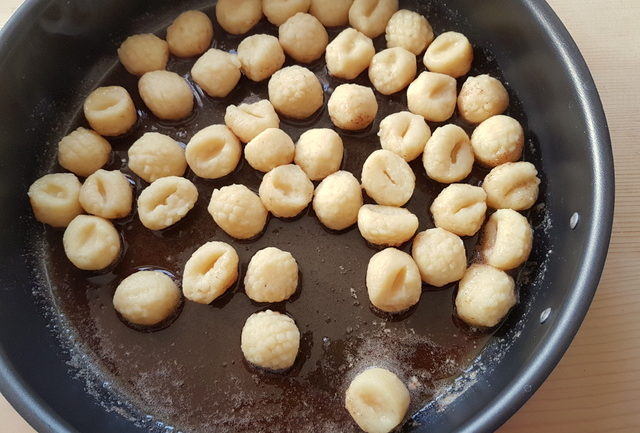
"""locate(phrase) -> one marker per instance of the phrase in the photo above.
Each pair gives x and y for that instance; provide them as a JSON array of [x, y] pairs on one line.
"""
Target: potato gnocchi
[[377, 400], [190, 34], [146, 298], [387, 178], [349, 53], [303, 37], [238, 16], [440, 256], [107, 194], [405, 134], [337, 200], [166, 201], [371, 16], [386, 225], [166, 94], [55, 199], [83, 151], [448, 156], [260, 56], [209, 272], [352, 107], [319, 152], [91, 243], [392, 70], [143, 53], [238, 211], [460, 209], [213, 152], [270, 340], [286, 191], [433, 96], [269, 149], [272, 276], [156, 155], [295, 92], [110, 110], [246, 121], [216, 72]]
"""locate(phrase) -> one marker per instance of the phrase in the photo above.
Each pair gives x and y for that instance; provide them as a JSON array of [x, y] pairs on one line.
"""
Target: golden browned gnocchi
[[440, 256], [213, 152], [260, 56], [460, 209], [55, 199], [409, 30], [448, 156], [91, 243], [156, 155], [295, 92], [272, 276], [349, 54], [319, 152], [331, 14], [513, 185], [450, 53], [238, 16], [83, 151], [387, 178], [482, 97], [269, 149], [386, 225], [166, 94], [485, 295], [377, 400], [270, 340], [143, 53], [279, 11], [337, 200], [371, 16], [392, 70], [166, 201], [217, 72], [405, 134], [209, 272], [352, 107], [433, 96], [286, 190], [107, 194], [146, 298], [246, 121], [190, 34], [303, 37], [110, 110], [393, 281], [507, 238], [238, 211], [497, 140]]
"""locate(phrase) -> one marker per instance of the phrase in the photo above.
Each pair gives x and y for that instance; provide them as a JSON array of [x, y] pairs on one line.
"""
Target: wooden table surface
[[596, 386]]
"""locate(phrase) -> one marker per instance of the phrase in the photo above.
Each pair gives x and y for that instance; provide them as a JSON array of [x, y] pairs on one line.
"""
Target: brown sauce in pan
[[191, 374]]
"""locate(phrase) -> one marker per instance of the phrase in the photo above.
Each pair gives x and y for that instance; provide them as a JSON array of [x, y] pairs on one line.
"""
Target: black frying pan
[[63, 374]]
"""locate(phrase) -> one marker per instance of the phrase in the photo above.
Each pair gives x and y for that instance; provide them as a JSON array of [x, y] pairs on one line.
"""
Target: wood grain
[[596, 386]]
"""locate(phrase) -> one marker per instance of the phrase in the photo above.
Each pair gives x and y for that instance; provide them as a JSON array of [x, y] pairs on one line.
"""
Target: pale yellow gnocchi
[[216, 72], [448, 156], [213, 152], [393, 281], [319, 152], [166, 94], [337, 200], [377, 400], [269, 149], [286, 191], [387, 178], [238, 211], [460, 209], [349, 53], [303, 37], [190, 34], [514, 185], [352, 107], [371, 16], [143, 53], [482, 97], [55, 199], [485, 295], [246, 121], [295, 92], [506, 241], [260, 56], [409, 30], [110, 110], [83, 151], [272, 276], [392, 70], [107, 194], [91, 243], [433, 96], [210, 271], [440, 256], [146, 298], [279, 11], [497, 140], [238, 16], [405, 134], [386, 225], [450, 53], [331, 13], [270, 340], [156, 155], [166, 201]]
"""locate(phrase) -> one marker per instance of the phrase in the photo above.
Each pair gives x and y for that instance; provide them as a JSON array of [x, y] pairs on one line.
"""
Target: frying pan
[[53, 52]]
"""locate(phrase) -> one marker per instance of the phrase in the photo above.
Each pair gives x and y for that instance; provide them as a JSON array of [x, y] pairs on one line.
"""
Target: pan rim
[[569, 318]]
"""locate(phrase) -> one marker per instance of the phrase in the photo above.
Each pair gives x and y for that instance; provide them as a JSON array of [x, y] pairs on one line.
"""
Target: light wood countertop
[[596, 386]]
